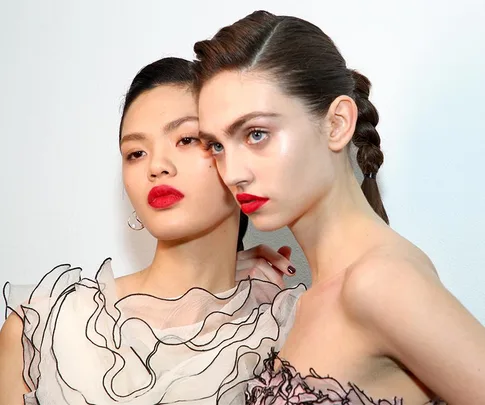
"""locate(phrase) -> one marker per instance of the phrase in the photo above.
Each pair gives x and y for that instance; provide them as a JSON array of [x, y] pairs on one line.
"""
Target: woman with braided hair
[[278, 110]]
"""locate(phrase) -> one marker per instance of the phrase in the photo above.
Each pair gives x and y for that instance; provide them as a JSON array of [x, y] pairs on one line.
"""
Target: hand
[[263, 261]]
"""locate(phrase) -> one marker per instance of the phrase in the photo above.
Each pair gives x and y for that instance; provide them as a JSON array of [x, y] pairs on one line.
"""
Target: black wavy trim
[[231, 381], [287, 386]]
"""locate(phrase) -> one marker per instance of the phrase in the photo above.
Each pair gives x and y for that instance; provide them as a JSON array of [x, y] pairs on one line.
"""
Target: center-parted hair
[[306, 64]]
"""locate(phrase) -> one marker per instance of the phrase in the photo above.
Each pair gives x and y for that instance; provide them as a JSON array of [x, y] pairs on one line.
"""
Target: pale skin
[[377, 314], [196, 238]]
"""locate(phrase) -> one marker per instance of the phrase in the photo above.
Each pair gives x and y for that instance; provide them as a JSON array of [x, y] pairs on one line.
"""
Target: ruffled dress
[[285, 386], [84, 345]]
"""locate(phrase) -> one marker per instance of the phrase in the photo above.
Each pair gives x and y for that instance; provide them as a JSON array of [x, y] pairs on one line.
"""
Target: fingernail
[[291, 270]]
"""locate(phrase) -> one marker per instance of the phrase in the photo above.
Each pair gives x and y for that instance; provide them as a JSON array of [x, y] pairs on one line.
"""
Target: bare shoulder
[[396, 300], [11, 333], [12, 386], [392, 273]]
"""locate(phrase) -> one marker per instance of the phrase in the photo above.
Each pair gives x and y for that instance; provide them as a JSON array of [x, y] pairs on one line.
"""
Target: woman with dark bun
[[189, 328]]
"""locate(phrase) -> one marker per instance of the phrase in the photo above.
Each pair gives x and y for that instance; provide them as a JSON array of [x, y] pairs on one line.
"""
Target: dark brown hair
[[306, 64], [169, 71], [165, 71]]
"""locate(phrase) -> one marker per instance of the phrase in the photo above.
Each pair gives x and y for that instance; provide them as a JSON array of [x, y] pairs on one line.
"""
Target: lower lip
[[165, 201], [252, 206]]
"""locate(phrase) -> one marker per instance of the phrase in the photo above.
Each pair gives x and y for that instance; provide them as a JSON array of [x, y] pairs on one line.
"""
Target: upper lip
[[162, 191], [245, 198]]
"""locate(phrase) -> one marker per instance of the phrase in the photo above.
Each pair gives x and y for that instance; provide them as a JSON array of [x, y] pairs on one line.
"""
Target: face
[[171, 180], [269, 150]]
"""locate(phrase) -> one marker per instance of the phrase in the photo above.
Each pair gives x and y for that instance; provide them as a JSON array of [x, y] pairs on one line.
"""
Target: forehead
[[231, 94], [159, 106]]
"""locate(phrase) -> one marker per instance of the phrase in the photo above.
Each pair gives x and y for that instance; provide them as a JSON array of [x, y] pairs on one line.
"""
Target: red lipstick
[[162, 197], [250, 203]]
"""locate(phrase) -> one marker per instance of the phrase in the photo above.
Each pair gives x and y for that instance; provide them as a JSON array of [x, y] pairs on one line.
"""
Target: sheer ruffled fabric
[[83, 345], [286, 386]]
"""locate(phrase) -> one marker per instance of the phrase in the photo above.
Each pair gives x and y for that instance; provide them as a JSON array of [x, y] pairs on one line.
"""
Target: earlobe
[[342, 116]]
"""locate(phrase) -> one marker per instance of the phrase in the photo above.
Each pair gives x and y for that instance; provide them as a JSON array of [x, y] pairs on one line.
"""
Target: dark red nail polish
[[291, 270]]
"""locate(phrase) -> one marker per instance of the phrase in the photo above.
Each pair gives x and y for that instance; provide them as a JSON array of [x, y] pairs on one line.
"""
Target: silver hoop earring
[[134, 222]]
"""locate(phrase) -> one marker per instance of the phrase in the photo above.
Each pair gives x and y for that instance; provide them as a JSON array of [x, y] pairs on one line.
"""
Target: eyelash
[[259, 130], [191, 138], [133, 155], [208, 146]]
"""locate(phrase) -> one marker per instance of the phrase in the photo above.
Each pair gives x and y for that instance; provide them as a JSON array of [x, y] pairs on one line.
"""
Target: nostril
[[155, 175]]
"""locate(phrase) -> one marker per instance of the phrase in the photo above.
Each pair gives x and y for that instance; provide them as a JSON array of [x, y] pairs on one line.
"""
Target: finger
[[285, 251], [242, 265], [261, 269], [248, 264], [249, 253], [276, 259], [265, 270]]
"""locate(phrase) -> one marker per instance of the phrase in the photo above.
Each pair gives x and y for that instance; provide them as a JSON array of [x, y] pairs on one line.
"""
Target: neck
[[335, 232], [206, 261]]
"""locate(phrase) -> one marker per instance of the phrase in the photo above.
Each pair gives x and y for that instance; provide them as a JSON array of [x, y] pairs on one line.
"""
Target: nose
[[160, 166], [234, 169]]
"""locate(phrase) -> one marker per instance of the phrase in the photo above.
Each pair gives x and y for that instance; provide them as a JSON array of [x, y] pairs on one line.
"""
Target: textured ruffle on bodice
[[286, 386], [83, 345]]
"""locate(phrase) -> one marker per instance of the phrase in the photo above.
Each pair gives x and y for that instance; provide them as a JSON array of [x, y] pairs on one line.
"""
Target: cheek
[[307, 173], [282, 163], [133, 184], [294, 149], [127, 181], [212, 196], [220, 163], [207, 177], [292, 164]]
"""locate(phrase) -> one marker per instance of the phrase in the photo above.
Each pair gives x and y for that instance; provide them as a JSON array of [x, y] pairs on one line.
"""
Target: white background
[[65, 67]]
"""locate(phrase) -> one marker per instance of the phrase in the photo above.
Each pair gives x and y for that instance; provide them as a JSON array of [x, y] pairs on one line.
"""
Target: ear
[[342, 118]]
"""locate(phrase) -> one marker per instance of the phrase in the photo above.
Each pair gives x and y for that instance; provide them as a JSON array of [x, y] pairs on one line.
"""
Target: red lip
[[161, 197], [250, 203]]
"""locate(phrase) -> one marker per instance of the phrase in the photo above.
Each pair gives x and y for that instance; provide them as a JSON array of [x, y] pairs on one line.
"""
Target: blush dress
[[84, 345]]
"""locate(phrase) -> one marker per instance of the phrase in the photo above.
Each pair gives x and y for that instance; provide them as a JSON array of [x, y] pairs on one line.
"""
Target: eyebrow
[[135, 136], [173, 125], [237, 124], [169, 127]]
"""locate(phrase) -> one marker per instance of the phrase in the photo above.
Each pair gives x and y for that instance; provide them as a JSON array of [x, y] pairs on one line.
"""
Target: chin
[[169, 232], [267, 223]]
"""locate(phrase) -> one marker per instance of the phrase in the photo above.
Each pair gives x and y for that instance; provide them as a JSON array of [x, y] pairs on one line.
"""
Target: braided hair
[[309, 66]]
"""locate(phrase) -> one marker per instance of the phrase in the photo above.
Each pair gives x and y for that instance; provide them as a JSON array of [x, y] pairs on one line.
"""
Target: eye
[[187, 140], [257, 136], [135, 155], [216, 148]]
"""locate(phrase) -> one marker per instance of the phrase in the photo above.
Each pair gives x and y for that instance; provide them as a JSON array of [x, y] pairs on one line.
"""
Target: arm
[[12, 386], [413, 318]]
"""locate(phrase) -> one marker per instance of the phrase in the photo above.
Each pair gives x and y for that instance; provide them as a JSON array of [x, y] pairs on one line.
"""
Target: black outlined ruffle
[[83, 345]]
